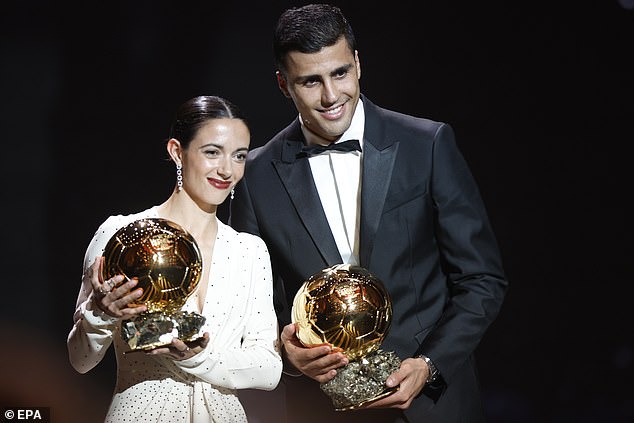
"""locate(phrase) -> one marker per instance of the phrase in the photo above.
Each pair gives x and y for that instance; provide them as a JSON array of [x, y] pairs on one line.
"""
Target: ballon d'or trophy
[[167, 262], [348, 308]]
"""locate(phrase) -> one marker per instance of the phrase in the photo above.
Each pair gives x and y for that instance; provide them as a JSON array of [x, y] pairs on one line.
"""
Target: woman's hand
[[112, 296], [179, 350]]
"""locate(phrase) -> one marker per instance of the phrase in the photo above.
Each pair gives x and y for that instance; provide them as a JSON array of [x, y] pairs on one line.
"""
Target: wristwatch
[[433, 371]]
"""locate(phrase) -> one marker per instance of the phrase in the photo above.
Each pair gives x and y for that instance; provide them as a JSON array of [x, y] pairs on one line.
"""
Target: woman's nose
[[224, 167]]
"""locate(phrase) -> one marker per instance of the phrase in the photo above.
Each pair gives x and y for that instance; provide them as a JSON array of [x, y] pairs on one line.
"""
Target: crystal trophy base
[[362, 380], [155, 329]]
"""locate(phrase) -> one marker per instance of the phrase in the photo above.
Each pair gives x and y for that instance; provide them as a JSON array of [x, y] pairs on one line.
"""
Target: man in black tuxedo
[[400, 201]]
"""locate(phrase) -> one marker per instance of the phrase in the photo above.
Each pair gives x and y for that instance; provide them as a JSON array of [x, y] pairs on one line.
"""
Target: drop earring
[[233, 193], [179, 177]]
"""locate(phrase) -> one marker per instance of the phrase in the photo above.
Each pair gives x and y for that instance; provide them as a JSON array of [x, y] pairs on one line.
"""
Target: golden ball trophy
[[348, 308], [167, 262]]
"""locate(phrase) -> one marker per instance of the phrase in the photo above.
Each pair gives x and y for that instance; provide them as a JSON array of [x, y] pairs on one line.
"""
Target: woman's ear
[[174, 150]]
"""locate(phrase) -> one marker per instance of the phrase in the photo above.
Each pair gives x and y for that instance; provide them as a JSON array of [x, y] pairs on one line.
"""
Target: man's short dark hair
[[308, 29]]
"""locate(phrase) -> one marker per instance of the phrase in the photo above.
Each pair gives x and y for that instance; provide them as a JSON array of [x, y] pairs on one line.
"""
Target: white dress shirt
[[337, 176]]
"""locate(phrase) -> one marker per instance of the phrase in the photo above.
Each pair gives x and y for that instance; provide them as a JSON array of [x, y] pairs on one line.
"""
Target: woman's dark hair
[[308, 29], [195, 112]]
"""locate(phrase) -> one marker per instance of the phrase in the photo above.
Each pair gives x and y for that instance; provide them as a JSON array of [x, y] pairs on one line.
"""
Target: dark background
[[540, 95]]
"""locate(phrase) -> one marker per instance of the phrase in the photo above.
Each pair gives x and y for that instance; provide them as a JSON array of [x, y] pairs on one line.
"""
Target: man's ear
[[281, 82], [357, 63]]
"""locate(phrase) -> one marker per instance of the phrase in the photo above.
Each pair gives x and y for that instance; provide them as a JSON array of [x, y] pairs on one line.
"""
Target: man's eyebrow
[[340, 69]]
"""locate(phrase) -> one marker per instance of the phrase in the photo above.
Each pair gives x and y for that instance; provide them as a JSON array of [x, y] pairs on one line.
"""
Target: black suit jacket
[[424, 232]]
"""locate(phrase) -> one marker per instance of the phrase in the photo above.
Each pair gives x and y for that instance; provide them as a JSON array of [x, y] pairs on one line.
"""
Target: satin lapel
[[298, 181], [377, 174]]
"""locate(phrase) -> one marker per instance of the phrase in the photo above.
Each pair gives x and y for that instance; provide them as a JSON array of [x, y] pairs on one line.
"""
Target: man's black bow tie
[[345, 146]]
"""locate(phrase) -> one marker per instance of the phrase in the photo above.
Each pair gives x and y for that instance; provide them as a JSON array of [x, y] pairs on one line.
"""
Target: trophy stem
[[362, 381], [157, 328]]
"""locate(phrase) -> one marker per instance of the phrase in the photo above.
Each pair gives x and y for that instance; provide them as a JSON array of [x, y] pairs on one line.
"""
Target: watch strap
[[433, 370]]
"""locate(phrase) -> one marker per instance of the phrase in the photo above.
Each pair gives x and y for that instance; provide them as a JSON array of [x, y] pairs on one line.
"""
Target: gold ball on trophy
[[345, 306], [162, 255]]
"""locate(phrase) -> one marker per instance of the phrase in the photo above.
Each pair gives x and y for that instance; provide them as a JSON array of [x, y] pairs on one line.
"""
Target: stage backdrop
[[540, 96]]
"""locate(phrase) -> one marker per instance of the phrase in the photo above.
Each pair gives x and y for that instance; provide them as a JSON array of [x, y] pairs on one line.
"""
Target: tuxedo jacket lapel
[[379, 155], [297, 178], [377, 172]]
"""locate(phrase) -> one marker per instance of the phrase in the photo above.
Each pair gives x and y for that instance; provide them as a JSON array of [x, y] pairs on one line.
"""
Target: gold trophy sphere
[[162, 255], [344, 306]]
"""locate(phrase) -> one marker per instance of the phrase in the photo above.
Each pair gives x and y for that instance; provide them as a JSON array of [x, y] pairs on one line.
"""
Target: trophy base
[[155, 329], [362, 381]]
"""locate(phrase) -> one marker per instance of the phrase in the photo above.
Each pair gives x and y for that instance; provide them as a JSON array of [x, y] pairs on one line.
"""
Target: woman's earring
[[179, 177], [233, 193]]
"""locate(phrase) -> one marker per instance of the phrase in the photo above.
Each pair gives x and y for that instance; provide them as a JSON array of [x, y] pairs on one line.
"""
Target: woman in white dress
[[195, 381]]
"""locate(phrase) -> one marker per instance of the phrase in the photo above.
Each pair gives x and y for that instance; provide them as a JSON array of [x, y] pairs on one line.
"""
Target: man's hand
[[317, 362], [411, 377]]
